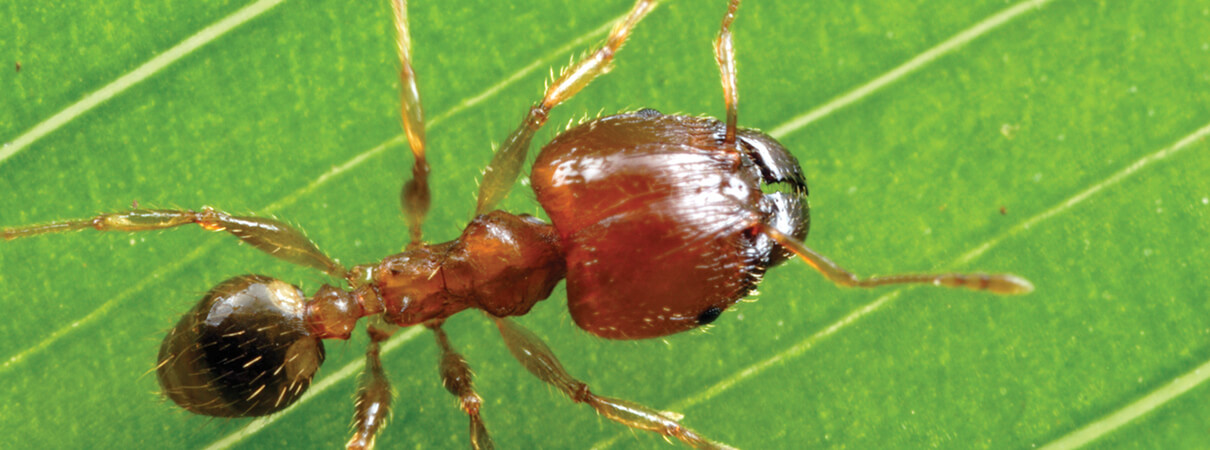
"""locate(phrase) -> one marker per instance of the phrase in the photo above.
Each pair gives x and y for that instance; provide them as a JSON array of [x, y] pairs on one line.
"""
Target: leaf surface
[[1043, 147]]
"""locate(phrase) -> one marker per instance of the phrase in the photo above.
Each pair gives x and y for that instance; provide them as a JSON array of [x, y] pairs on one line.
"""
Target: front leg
[[502, 172], [541, 361]]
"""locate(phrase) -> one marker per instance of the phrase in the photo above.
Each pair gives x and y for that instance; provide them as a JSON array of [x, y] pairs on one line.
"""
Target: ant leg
[[540, 361], [996, 283], [415, 196], [502, 172], [724, 54], [373, 406], [456, 377], [268, 235]]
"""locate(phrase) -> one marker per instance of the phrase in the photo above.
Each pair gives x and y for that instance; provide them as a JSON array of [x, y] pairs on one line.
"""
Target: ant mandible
[[710, 204]]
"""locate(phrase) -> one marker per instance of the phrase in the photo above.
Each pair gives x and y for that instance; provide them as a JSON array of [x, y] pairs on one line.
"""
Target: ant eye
[[709, 315], [244, 350], [648, 113]]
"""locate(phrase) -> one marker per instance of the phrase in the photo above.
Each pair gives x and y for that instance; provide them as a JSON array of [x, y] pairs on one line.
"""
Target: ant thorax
[[502, 263]]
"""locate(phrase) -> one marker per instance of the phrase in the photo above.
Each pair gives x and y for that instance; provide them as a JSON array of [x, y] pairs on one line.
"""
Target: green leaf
[[1046, 146]]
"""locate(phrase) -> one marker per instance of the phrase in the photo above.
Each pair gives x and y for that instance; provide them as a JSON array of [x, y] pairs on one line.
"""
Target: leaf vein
[[136, 76]]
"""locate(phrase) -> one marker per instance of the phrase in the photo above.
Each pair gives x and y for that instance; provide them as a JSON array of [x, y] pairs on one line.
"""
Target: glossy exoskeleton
[[244, 350], [658, 223], [668, 190]]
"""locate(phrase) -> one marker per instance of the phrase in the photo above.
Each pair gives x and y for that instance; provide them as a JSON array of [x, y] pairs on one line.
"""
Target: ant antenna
[[996, 283]]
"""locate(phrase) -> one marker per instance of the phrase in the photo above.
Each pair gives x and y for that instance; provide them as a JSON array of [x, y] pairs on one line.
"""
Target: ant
[[658, 223]]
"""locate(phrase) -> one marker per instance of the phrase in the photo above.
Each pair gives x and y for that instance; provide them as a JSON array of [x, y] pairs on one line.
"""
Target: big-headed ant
[[658, 222]]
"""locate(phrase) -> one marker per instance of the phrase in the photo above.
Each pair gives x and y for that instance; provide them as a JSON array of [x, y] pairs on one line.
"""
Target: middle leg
[[456, 377], [415, 197]]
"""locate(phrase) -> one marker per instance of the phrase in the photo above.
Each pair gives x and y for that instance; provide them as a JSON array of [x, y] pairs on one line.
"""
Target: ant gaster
[[659, 223]]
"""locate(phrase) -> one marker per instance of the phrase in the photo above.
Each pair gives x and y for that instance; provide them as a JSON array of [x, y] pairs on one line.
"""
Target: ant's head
[[244, 350], [785, 193]]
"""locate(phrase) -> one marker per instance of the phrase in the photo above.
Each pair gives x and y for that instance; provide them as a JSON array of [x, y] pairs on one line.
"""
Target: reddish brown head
[[658, 218]]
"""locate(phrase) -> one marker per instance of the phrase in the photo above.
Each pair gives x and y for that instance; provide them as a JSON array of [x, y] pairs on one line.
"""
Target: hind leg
[[268, 235]]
